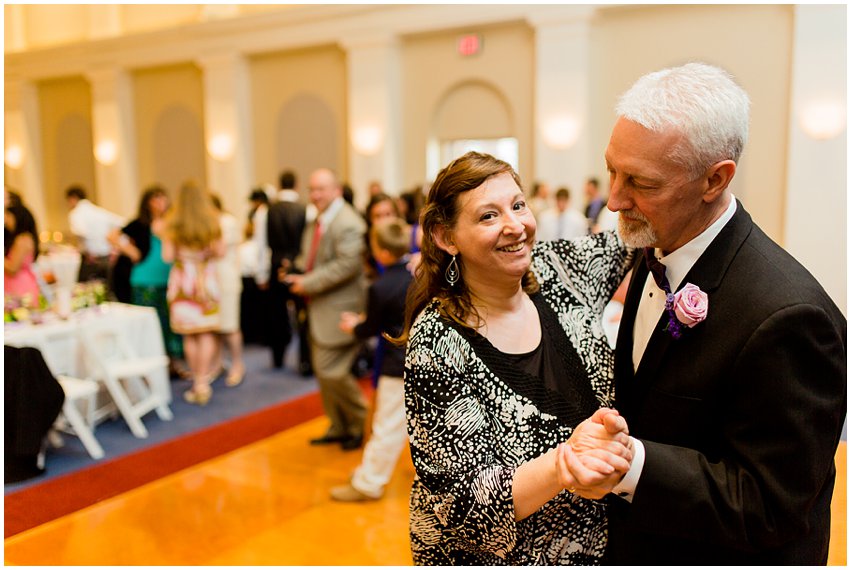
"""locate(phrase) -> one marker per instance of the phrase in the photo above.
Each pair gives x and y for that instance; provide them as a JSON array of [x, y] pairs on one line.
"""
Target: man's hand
[[295, 283], [597, 455], [348, 321]]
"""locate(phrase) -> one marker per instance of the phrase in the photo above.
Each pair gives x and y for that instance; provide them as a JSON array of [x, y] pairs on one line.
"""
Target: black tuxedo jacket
[[740, 418], [284, 228]]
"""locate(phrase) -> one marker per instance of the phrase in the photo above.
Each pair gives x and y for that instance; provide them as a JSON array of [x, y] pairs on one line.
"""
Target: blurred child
[[389, 240]]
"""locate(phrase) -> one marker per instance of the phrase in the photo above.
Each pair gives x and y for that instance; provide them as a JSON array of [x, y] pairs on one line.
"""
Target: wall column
[[16, 27], [374, 107], [22, 131], [227, 130], [113, 134], [562, 100], [816, 199], [104, 21]]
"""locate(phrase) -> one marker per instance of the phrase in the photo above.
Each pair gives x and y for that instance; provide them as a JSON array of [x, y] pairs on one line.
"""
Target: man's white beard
[[636, 234]]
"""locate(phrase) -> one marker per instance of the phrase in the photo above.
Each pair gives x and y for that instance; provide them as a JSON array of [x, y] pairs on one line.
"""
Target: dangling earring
[[452, 273]]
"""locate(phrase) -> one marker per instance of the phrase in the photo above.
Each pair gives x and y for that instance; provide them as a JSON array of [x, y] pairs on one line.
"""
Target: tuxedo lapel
[[623, 349], [710, 268], [707, 273]]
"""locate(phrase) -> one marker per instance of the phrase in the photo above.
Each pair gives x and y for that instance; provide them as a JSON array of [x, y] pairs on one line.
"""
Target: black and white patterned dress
[[473, 418]]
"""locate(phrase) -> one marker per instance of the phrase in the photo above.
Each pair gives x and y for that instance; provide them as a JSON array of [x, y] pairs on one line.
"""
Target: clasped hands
[[596, 456]]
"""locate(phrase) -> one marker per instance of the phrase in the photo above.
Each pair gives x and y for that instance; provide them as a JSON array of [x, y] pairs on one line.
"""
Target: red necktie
[[314, 246]]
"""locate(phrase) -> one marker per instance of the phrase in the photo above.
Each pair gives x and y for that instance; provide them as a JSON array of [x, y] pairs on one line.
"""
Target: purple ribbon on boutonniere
[[688, 307]]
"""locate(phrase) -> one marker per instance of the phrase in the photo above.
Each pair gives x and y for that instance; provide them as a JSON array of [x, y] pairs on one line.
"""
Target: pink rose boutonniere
[[690, 306]]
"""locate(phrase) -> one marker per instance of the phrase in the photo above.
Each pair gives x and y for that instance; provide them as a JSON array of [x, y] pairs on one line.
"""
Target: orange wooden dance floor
[[264, 504]]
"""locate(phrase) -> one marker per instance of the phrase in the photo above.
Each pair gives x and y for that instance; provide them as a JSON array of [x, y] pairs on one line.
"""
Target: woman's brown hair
[[193, 222], [441, 209]]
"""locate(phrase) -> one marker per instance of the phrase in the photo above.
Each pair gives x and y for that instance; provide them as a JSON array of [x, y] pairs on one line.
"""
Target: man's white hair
[[700, 101]]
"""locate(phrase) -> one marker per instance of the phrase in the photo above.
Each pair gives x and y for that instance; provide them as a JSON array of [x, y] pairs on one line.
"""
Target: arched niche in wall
[[74, 159], [470, 111], [178, 148], [306, 136]]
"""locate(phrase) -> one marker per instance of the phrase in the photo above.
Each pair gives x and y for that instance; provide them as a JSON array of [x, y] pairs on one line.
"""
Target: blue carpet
[[262, 387]]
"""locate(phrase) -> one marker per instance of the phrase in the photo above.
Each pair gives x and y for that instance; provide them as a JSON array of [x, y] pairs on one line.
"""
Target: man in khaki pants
[[332, 280]]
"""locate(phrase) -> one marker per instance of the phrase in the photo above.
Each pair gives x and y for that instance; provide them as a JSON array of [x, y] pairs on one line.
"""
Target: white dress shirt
[[677, 265], [288, 195], [553, 225], [92, 224], [264, 253]]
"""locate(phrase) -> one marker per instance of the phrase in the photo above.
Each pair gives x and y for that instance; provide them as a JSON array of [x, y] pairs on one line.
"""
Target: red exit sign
[[471, 44]]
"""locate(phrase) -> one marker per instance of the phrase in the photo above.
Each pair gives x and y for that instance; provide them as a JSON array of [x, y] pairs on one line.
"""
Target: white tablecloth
[[65, 353]]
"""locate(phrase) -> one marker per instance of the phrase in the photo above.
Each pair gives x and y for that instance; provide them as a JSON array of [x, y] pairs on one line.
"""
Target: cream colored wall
[[432, 68], [65, 109], [752, 42], [144, 17], [161, 90], [52, 24], [278, 79]]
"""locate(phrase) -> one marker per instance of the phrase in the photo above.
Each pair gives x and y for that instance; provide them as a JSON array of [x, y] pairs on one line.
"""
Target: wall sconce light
[[220, 146], [14, 156], [106, 152], [823, 119], [367, 139], [561, 132]]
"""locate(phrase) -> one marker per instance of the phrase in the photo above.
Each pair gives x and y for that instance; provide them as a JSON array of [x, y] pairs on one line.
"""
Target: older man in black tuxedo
[[730, 365]]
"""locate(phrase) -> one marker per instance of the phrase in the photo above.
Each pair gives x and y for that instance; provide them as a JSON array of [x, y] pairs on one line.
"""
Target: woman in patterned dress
[[193, 242], [506, 356]]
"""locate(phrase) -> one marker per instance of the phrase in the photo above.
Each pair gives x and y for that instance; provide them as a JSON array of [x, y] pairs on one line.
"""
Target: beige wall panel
[[453, 119], [144, 17], [170, 125], [66, 122], [751, 42], [299, 113], [432, 68], [251, 9], [52, 24]]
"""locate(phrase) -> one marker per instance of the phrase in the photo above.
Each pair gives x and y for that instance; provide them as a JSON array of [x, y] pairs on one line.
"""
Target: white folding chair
[[79, 392], [127, 376]]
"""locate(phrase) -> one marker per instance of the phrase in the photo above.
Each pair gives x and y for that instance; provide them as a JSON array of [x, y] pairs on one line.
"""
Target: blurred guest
[[331, 261], [25, 221], [193, 242], [561, 221], [286, 220], [380, 206], [20, 249], [539, 198], [385, 310], [410, 203], [140, 242], [259, 219], [595, 203], [252, 301], [375, 188], [230, 282], [348, 194], [91, 224]]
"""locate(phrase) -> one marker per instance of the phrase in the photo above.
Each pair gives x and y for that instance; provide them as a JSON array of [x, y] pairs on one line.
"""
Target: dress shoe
[[352, 442], [329, 439], [348, 494], [234, 378], [192, 396]]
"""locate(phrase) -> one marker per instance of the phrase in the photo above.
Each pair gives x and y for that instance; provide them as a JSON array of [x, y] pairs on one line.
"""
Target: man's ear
[[443, 238], [718, 177]]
